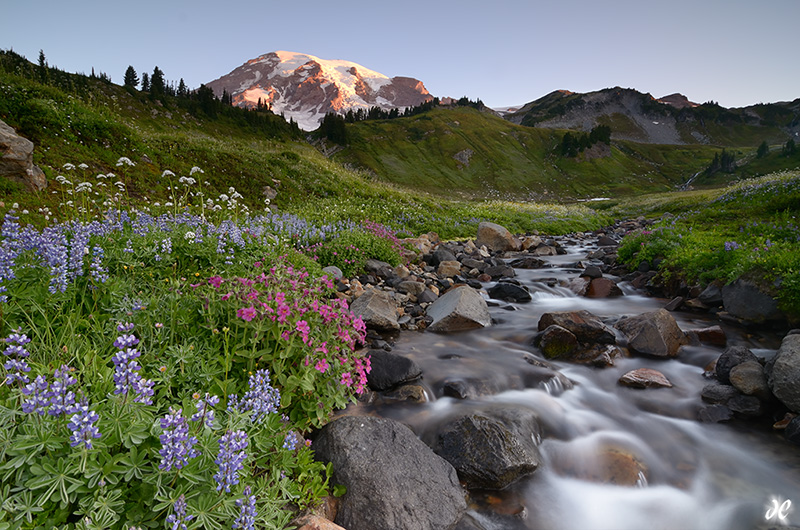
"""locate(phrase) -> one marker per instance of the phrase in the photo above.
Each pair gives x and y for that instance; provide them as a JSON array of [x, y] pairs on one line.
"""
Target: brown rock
[[448, 269], [588, 328], [714, 335], [748, 378], [496, 238], [655, 333], [644, 378], [579, 285], [16, 160], [315, 522], [610, 465], [544, 250], [558, 342], [603, 288], [674, 304]]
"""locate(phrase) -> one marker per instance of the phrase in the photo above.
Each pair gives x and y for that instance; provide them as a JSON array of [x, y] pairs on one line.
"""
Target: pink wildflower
[[215, 281], [322, 365], [347, 379], [247, 313]]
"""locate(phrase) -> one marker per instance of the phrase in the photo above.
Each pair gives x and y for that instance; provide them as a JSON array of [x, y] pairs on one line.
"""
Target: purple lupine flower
[[16, 366], [37, 396], [290, 441], [128, 247], [205, 412], [262, 399], [96, 269], [178, 518], [62, 401], [247, 511], [230, 459], [177, 445], [125, 327], [82, 425], [143, 388]]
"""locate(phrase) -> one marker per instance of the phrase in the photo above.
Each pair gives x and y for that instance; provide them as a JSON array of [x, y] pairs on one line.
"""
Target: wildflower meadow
[[188, 347]]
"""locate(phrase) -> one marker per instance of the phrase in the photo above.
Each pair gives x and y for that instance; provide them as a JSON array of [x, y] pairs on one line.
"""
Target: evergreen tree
[[182, 90], [333, 128], [208, 102], [158, 85], [131, 78], [43, 73], [790, 148], [763, 150], [145, 82]]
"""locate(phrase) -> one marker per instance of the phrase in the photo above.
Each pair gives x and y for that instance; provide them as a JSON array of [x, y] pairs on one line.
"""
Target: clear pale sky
[[735, 52]]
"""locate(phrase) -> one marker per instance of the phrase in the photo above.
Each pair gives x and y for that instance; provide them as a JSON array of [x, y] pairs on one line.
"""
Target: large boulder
[[459, 309], [747, 301], [587, 327], [491, 449], [393, 480], [558, 342], [377, 309], [784, 375], [496, 238], [603, 288], [749, 379], [655, 334], [16, 160]]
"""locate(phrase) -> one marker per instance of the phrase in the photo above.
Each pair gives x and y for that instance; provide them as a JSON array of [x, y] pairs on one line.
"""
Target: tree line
[[572, 144]]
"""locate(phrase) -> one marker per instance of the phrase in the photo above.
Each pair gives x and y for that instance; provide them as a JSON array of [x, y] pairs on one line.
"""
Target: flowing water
[[686, 474]]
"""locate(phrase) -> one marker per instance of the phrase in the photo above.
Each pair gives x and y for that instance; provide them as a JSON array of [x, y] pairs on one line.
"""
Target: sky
[[504, 52]]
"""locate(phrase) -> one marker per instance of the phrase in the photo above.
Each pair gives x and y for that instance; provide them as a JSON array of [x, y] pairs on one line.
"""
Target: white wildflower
[[224, 198], [68, 166], [188, 181], [124, 160], [167, 173], [15, 205], [100, 176], [83, 166], [189, 235], [196, 169]]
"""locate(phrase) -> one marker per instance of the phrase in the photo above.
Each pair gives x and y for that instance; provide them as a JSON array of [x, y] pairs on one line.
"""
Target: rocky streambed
[[539, 387]]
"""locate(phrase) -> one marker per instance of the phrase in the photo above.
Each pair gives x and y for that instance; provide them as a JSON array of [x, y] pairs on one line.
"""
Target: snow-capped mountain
[[305, 88]]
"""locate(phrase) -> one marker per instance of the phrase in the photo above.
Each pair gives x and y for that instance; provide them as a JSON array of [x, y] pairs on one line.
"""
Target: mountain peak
[[304, 87]]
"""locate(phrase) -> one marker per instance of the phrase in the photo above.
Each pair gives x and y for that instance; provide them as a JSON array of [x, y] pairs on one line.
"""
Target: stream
[[687, 474]]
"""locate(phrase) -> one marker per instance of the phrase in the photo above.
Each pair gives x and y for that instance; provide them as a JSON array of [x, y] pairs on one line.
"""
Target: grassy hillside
[[465, 152]]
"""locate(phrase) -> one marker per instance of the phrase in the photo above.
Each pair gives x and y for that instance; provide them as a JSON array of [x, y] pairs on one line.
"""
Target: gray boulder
[[393, 480], [459, 309], [509, 292], [496, 238], [16, 160], [731, 357], [784, 376], [390, 370], [654, 334], [747, 301], [377, 309], [491, 449], [748, 378]]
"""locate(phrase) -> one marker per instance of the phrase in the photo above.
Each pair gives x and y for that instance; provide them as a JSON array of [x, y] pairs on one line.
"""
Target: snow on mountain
[[304, 87]]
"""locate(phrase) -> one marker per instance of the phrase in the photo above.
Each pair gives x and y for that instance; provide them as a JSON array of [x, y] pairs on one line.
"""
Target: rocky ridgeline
[[396, 478]]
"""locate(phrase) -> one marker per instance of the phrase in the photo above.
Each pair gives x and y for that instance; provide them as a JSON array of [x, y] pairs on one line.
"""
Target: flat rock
[[655, 334], [714, 414], [645, 378], [459, 309], [448, 269], [718, 394], [393, 479]]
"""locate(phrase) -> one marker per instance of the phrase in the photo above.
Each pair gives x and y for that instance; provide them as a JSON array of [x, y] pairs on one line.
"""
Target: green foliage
[[763, 150], [746, 230]]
